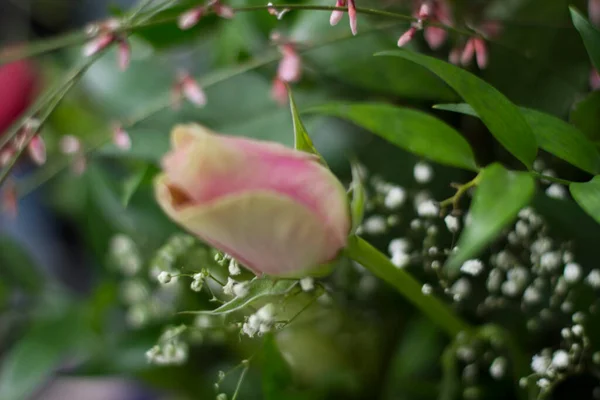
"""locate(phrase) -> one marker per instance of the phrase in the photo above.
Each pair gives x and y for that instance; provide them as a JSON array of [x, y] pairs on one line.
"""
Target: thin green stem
[[550, 178], [368, 256], [240, 381], [460, 191]]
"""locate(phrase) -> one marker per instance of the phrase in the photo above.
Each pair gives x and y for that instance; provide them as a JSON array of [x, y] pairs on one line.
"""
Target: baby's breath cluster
[[171, 349]]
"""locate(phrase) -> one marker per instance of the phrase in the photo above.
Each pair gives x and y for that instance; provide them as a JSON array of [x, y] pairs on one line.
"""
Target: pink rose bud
[[192, 90], [121, 138], [69, 144], [594, 11], [276, 210], [190, 18], [124, 54], [595, 80], [336, 15], [435, 36], [481, 53], [290, 66], [352, 17], [279, 92], [37, 150], [407, 36], [468, 52], [98, 44]]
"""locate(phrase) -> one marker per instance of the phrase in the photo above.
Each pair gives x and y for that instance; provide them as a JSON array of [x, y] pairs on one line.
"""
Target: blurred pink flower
[[594, 80], [290, 66], [279, 91], [37, 150], [336, 15], [277, 210], [594, 11]]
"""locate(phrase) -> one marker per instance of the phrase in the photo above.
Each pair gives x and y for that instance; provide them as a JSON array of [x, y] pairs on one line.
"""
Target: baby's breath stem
[[369, 257]]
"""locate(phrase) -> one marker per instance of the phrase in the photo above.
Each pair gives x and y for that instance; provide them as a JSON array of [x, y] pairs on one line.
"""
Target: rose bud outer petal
[[207, 166], [267, 232]]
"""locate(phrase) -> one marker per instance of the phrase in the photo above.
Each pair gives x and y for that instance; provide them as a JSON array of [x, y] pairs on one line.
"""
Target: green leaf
[[357, 204], [302, 140], [589, 34], [257, 288], [142, 174], [276, 374], [34, 357], [497, 201], [587, 195], [498, 113], [585, 116], [17, 266], [412, 130], [552, 134]]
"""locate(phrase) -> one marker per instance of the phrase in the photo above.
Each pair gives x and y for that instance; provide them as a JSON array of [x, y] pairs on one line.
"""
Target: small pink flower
[[37, 150], [124, 54], [191, 90], [290, 66], [455, 55], [352, 17], [190, 18], [9, 199], [98, 44], [79, 164], [594, 80], [69, 144], [6, 155], [121, 138], [336, 15], [594, 11], [222, 10], [276, 210], [468, 52], [279, 92], [435, 36], [407, 36], [481, 53]]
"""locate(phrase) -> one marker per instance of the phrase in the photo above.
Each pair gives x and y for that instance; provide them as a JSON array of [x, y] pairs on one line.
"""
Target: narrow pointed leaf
[[302, 140], [587, 195], [552, 134], [357, 204], [590, 35], [496, 203], [498, 113], [585, 116], [411, 130]]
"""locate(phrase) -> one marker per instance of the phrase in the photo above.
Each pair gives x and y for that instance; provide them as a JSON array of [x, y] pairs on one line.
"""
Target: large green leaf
[[498, 113], [497, 201], [585, 116], [587, 195], [409, 129], [552, 134], [589, 34], [277, 380], [41, 349]]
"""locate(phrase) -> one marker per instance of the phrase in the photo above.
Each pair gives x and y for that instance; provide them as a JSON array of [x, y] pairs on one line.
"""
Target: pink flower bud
[[352, 17], [276, 210], [290, 66], [191, 90], [69, 144], [481, 52], [98, 44], [594, 11], [121, 138], [223, 11], [9, 199], [424, 10], [454, 56], [336, 15], [468, 52], [435, 36], [79, 164], [124, 54], [6, 155], [279, 92], [407, 36], [190, 18], [594, 80], [37, 150]]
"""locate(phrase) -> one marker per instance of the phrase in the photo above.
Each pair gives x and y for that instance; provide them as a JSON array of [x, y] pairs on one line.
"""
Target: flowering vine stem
[[368, 256], [460, 191]]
